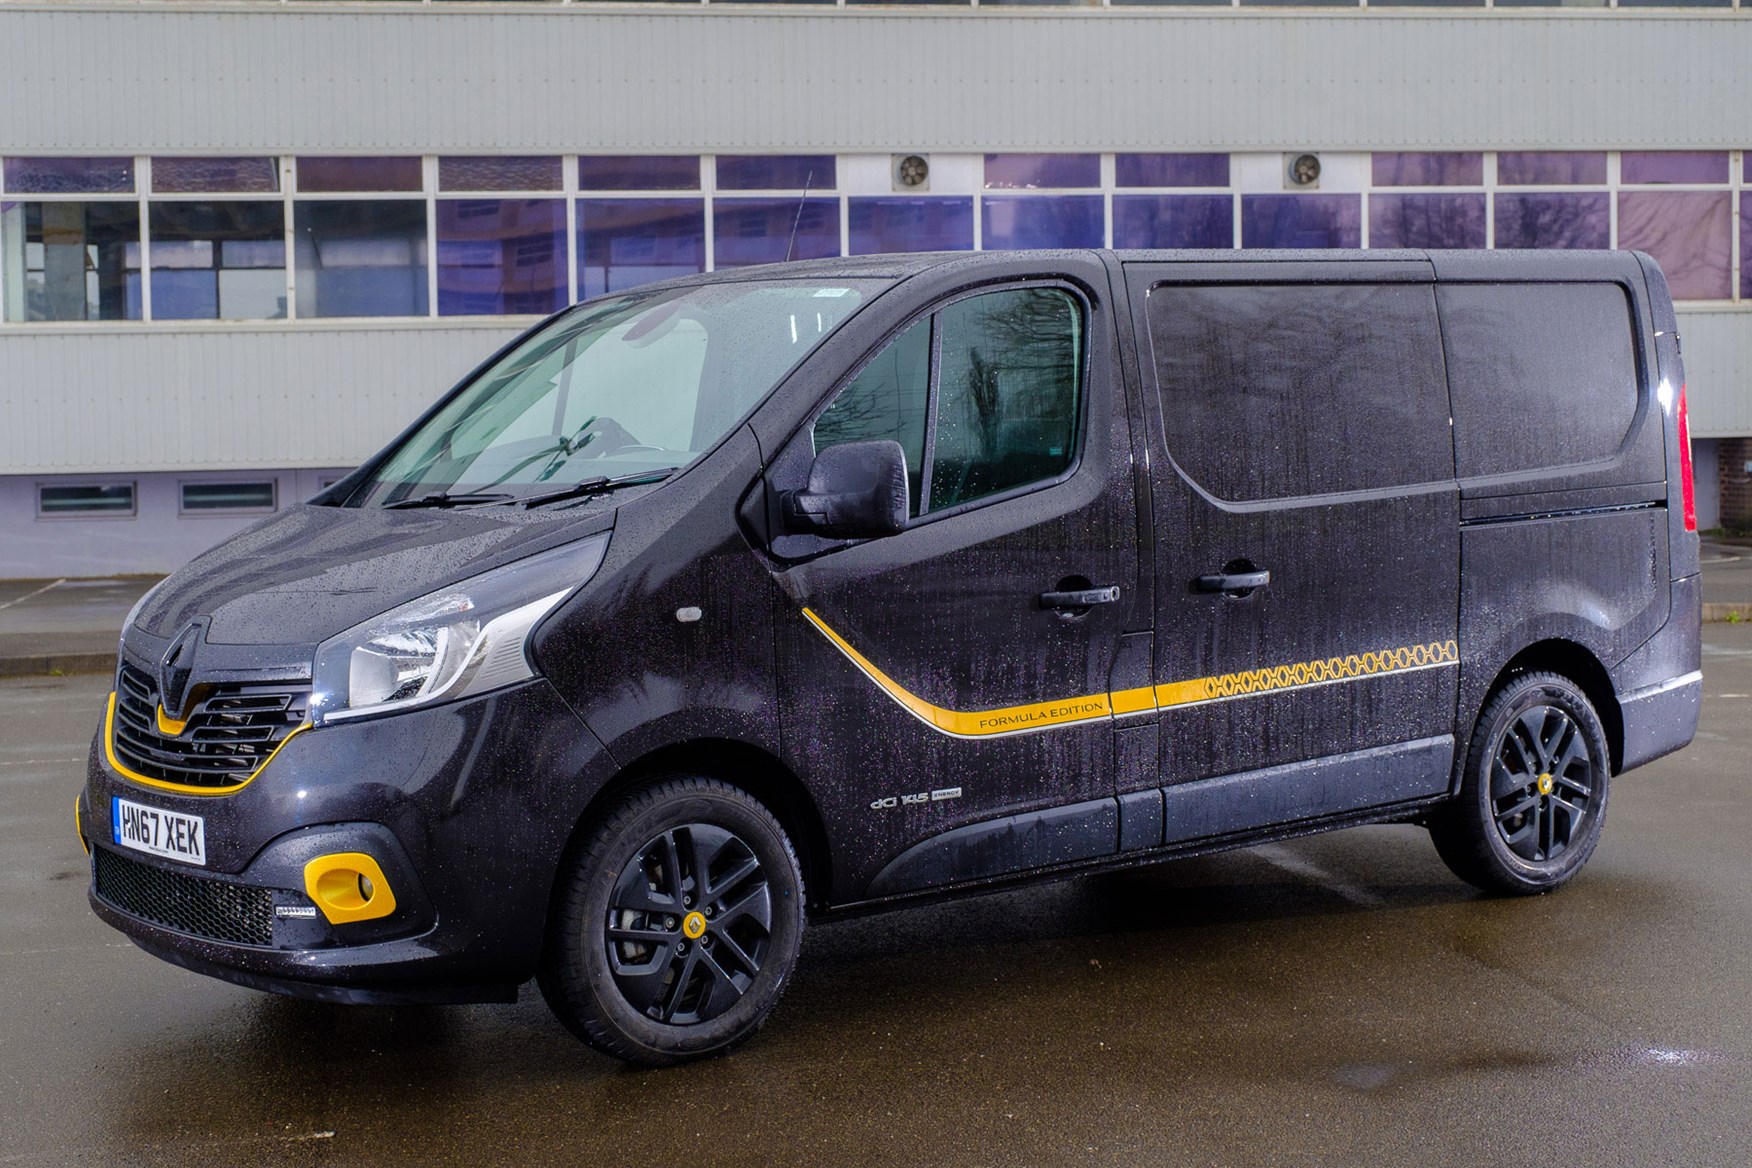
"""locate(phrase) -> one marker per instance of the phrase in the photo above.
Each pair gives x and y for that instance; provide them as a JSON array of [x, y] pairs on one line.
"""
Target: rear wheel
[[1533, 796], [677, 925]]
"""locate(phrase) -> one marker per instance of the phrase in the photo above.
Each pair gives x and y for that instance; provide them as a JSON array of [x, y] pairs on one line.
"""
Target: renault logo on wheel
[[178, 666]]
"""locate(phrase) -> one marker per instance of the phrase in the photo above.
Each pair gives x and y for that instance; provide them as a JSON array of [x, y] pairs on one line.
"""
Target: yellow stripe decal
[[109, 750], [1146, 699]]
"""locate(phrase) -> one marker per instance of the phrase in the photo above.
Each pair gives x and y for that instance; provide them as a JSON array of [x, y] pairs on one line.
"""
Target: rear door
[[951, 725], [1306, 538]]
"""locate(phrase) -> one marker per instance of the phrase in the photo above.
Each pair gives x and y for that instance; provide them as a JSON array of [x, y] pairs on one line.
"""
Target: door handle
[[1082, 598], [1233, 582]]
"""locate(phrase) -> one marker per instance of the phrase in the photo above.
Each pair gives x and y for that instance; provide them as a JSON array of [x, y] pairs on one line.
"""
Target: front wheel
[[676, 926], [1533, 796]]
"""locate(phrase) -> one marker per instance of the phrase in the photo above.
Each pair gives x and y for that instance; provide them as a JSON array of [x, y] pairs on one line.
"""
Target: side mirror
[[855, 490]]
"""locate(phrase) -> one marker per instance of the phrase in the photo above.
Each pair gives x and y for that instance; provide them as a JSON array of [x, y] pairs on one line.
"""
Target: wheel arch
[[741, 765], [1576, 662]]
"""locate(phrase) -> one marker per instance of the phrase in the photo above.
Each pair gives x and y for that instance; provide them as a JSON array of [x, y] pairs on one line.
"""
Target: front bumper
[[467, 808]]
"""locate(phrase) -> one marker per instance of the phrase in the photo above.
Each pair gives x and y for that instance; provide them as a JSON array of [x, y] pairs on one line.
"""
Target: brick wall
[[1736, 484]]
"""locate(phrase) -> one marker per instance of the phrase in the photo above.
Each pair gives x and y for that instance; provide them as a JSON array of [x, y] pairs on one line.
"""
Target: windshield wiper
[[600, 486], [442, 499]]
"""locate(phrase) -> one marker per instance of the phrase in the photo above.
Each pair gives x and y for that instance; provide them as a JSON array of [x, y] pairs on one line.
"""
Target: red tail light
[[1687, 492]]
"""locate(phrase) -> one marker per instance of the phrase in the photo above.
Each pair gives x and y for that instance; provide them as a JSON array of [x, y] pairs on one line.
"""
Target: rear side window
[[983, 396], [1543, 375], [1287, 390]]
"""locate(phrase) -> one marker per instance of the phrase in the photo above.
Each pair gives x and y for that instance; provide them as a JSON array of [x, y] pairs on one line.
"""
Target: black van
[[730, 602]]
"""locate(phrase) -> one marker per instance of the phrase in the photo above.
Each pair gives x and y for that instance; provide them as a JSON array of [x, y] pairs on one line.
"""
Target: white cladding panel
[[222, 398], [454, 77], [1717, 347], [214, 399]]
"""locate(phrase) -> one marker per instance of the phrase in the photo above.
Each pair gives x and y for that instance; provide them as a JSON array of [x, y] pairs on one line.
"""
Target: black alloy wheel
[[1533, 793], [675, 925], [689, 923], [1541, 784]]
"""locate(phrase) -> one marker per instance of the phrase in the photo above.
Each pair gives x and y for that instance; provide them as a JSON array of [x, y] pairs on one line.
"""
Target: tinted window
[[1278, 391], [1543, 374], [887, 399], [1007, 396], [1007, 408]]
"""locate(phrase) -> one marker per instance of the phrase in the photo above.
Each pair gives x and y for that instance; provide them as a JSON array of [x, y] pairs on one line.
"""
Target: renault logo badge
[[178, 666]]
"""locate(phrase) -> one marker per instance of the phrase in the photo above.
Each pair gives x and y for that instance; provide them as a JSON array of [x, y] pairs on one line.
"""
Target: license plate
[[159, 833]]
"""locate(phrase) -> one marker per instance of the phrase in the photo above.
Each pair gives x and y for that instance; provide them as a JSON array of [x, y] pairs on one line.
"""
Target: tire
[[1532, 800], [633, 965]]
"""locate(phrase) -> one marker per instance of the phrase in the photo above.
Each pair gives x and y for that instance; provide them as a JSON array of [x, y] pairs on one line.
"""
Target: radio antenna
[[798, 218]]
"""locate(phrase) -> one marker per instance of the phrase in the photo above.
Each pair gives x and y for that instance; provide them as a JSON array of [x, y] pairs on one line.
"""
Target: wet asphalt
[[1339, 1000]]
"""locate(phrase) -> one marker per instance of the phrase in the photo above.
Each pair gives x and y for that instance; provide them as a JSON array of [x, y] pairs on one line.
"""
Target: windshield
[[628, 386]]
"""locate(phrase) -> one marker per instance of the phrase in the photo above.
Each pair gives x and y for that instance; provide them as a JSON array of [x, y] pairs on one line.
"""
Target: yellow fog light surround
[[348, 887], [79, 821]]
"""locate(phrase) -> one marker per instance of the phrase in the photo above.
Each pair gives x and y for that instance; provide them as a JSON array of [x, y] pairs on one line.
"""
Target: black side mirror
[[855, 490]]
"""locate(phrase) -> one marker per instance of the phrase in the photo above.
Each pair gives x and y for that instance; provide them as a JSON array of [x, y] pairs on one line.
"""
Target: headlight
[[465, 639]]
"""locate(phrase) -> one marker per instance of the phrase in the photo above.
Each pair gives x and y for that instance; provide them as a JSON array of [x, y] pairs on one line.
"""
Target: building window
[[899, 223], [69, 176], [361, 257], [623, 243], [501, 257], [85, 500], [218, 260], [230, 237], [71, 260], [491, 173], [1298, 221], [219, 175], [770, 231], [1683, 216], [206, 498]]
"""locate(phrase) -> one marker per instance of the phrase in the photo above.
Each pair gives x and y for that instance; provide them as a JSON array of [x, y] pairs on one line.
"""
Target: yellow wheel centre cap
[[1545, 786], [693, 925]]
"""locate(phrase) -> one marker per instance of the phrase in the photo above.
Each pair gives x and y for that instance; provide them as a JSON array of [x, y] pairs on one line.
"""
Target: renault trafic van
[[706, 609]]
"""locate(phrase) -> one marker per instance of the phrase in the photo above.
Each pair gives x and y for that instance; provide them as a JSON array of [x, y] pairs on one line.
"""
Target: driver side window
[[983, 395]]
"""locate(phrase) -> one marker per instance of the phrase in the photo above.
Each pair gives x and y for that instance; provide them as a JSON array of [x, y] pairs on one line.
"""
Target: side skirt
[[1264, 804]]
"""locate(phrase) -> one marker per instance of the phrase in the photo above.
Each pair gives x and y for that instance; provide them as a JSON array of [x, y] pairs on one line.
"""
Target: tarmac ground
[[1339, 1000]]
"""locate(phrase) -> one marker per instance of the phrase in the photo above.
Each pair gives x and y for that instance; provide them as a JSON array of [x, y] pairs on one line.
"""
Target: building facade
[[243, 242]]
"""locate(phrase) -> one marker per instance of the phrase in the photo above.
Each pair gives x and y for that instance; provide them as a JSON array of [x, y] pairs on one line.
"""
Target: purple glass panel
[[1426, 220], [1688, 232], [245, 175], [1173, 221], [1021, 222], [1746, 244], [55, 176], [639, 172], [1301, 221], [496, 173], [1428, 170], [623, 243], [1171, 170], [1553, 220], [501, 257], [1022, 172], [776, 172], [902, 224], [1550, 168], [1673, 166], [769, 231], [334, 173]]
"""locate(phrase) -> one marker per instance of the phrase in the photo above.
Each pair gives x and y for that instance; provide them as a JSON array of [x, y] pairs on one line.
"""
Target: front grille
[[198, 905], [233, 728]]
